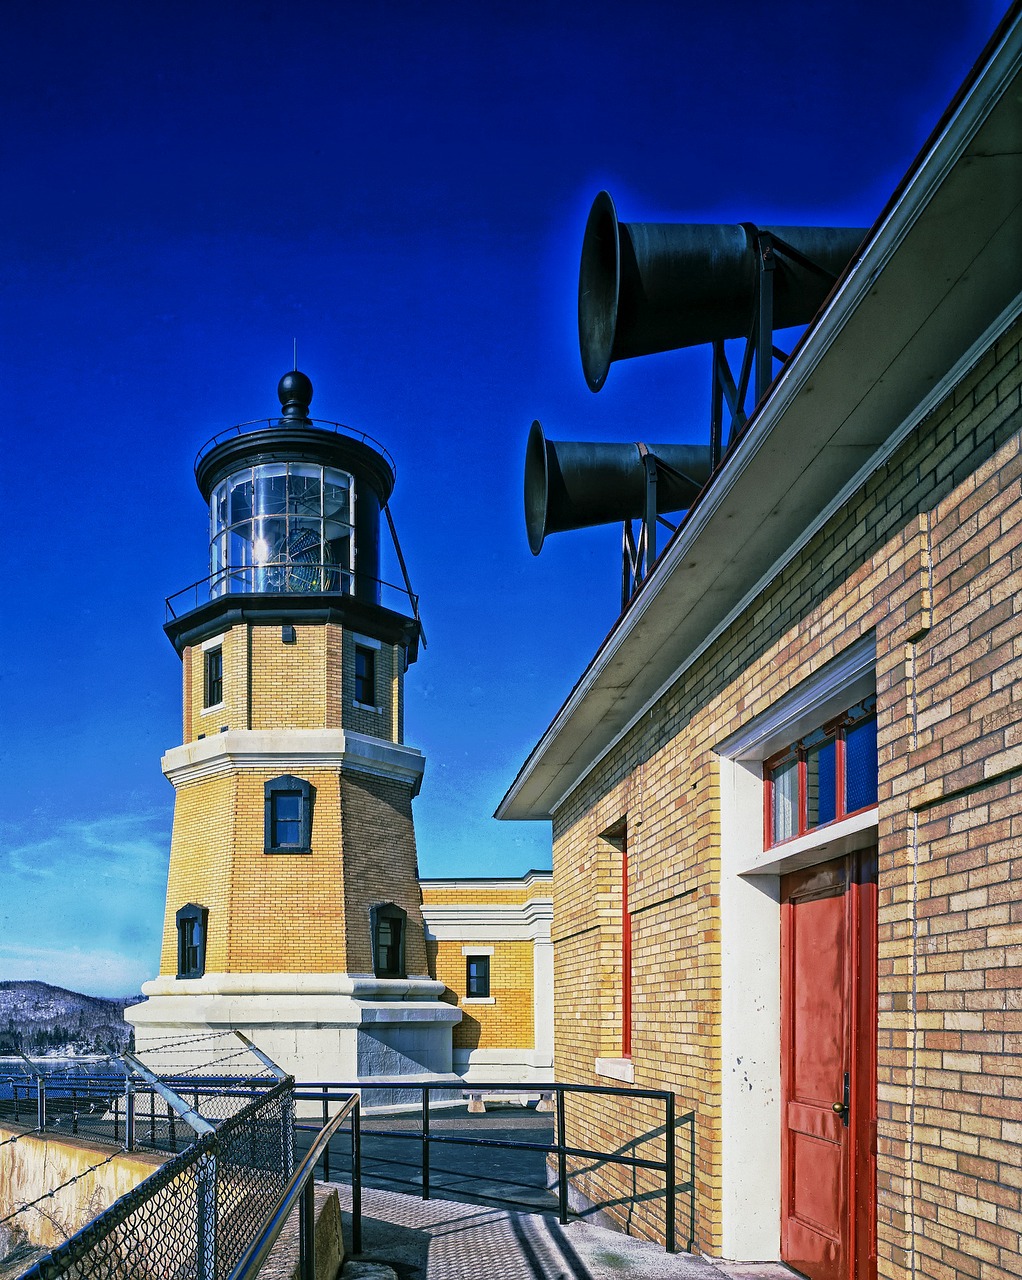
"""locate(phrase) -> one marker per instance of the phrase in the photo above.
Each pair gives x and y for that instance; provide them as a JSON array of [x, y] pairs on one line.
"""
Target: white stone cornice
[[489, 883], [292, 750], [360, 986], [489, 922]]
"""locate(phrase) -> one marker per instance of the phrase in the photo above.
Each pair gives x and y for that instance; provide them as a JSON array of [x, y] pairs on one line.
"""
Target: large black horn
[[572, 484], [653, 286]]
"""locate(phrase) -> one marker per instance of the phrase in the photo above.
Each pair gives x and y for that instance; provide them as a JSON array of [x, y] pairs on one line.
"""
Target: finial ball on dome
[[294, 391]]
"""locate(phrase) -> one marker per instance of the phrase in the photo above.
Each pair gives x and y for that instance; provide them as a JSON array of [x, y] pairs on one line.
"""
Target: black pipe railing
[[302, 1190], [287, 578], [148, 1126], [321, 424], [327, 1091]]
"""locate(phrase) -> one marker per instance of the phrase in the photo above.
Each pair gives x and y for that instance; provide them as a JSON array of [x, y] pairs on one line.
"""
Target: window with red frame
[[829, 774]]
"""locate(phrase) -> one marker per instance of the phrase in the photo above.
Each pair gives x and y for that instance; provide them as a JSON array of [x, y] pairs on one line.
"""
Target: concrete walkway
[[445, 1240]]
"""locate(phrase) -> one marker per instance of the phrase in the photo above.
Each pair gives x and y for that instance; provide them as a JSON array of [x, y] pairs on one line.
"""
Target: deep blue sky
[[402, 188]]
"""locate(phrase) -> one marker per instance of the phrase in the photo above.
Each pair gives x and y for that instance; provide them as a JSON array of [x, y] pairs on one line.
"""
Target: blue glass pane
[[861, 765], [821, 785], [288, 806], [288, 833], [479, 976]]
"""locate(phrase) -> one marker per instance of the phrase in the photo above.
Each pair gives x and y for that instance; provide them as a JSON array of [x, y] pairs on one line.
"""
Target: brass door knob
[[839, 1108]]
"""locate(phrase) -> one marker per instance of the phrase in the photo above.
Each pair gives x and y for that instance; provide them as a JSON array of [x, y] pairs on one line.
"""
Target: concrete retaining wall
[[30, 1167]]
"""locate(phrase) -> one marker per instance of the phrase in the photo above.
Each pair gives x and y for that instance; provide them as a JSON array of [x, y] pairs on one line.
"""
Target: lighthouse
[[293, 908]]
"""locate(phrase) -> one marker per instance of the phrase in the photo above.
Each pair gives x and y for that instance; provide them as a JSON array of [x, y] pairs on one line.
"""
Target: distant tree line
[[43, 1038]]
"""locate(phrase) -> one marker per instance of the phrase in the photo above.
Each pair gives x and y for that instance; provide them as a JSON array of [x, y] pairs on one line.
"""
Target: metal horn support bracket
[[760, 351], [638, 553]]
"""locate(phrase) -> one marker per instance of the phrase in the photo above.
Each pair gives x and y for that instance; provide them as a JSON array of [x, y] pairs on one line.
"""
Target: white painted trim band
[[358, 985], [292, 749]]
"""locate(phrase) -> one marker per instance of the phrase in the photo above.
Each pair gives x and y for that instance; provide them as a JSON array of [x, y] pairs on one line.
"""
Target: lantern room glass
[[282, 527]]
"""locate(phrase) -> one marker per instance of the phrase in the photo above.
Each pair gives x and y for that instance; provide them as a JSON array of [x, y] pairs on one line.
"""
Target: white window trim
[[367, 706], [822, 844], [477, 951], [478, 999]]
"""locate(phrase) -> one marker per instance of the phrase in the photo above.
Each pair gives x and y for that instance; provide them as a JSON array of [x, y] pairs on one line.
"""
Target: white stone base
[[316, 1027], [495, 1066]]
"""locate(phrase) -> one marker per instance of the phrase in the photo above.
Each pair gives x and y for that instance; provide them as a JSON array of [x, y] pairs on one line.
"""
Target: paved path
[[445, 1240]]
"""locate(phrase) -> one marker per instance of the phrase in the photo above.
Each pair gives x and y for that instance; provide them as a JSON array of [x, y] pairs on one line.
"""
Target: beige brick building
[[489, 942], [825, 928]]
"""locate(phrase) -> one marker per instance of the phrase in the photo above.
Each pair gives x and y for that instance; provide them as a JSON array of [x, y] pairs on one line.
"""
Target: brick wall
[[292, 912], [927, 557], [380, 865], [268, 913], [309, 684], [508, 1022]]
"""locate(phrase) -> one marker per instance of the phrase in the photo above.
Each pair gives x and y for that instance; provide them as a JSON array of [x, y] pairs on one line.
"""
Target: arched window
[[288, 817], [388, 923], [191, 940]]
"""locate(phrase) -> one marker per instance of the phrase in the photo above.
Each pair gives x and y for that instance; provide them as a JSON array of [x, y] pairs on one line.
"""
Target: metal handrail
[[559, 1149], [321, 424], [228, 576], [302, 1187]]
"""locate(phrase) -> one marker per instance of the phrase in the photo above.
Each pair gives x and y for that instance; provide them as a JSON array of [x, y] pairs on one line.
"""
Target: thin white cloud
[[107, 843], [94, 972], [81, 904]]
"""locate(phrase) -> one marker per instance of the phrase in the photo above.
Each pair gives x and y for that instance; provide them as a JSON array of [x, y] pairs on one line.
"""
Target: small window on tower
[[191, 941], [288, 816], [477, 977], [387, 924], [213, 677], [365, 676]]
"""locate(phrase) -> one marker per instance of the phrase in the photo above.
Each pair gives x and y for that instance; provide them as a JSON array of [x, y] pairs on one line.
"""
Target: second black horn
[[572, 484]]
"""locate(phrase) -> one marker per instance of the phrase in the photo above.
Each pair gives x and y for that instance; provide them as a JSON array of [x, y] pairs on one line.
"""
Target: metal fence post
[[562, 1163], [206, 1217], [41, 1100], [129, 1114], [671, 1176], [307, 1231], [356, 1178], [326, 1149], [287, 1137], [425, 1142]]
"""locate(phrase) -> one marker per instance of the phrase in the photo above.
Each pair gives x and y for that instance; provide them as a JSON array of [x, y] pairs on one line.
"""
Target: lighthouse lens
[[282, 527]]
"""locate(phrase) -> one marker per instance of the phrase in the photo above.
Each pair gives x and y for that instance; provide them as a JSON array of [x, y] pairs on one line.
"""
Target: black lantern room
[[294, 529]]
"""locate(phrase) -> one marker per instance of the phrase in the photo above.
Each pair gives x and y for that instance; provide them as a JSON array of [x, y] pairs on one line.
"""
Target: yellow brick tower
[[293, 907]]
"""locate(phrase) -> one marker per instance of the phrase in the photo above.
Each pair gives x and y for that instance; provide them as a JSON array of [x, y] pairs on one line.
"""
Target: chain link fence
[[196, 1215], [113, 1099]]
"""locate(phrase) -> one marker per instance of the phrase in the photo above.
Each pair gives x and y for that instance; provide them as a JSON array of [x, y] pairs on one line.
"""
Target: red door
[[828, 1037]]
